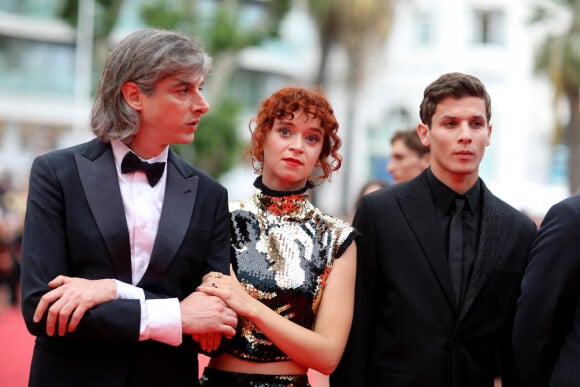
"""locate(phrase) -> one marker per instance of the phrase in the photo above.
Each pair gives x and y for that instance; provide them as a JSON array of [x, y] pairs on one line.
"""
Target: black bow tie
[[132, 163]]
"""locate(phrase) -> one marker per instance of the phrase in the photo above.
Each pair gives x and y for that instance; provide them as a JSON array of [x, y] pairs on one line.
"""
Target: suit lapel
[[417, 207], [99, 179], [493, 232], [178, 204]]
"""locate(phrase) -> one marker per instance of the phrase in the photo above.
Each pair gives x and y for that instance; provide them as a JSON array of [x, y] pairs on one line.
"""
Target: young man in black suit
[[119, 231], [424, 317], [546, 334]]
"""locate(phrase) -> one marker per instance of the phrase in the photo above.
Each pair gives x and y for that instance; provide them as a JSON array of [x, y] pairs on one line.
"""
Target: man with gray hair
[[119, 231]]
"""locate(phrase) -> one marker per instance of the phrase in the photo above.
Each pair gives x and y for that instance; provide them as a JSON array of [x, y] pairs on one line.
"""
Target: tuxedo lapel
[[178, 204], [419, 211], [100, 183], [493, 233]]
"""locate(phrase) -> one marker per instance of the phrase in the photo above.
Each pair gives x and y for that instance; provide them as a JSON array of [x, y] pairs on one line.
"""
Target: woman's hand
[[229, 289]]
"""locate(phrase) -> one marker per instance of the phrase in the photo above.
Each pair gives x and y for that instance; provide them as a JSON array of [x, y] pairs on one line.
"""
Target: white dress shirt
[[160, 318]]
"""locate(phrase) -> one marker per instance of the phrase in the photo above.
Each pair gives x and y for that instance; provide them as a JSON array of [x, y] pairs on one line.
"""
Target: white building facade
[[491, 39], [43, 107]]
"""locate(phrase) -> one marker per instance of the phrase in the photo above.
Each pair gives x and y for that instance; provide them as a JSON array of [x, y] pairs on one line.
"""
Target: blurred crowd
[[12, 207]]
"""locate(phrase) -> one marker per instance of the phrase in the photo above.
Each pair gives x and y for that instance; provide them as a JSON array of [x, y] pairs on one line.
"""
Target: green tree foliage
[[217, 146], [559, 58], [106, 15], [360, 27], [106, 11]]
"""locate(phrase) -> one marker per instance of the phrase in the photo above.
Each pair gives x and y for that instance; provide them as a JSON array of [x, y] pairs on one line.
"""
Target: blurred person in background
[[370, 186], [440, 260], [120, 230], [12, 208], [9, 273], [293, 265], [409, 157]]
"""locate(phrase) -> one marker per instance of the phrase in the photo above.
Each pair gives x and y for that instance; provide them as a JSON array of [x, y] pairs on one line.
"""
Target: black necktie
[[132, 163], [456, 248]]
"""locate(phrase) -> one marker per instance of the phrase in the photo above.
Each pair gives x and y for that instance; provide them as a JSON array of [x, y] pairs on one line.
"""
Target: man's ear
[[133, 95], [489, 129], [423, 132]]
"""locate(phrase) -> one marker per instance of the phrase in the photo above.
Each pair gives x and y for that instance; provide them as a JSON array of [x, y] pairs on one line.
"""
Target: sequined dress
[[283, 250]]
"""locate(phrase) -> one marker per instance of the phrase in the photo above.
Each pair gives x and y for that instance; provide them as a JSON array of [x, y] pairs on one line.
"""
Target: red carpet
[[16, 351], [16, 348]]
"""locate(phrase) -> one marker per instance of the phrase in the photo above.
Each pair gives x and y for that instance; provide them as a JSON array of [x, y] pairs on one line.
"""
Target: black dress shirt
[[444, 197]]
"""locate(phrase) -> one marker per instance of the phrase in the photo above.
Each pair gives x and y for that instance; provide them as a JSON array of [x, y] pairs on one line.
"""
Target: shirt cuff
[[160, 318], [129, 292], [164, 323]]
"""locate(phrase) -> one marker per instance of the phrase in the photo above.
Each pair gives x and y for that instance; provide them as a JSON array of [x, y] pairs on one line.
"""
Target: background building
[[491, 39], [37, 59], [45, 89]]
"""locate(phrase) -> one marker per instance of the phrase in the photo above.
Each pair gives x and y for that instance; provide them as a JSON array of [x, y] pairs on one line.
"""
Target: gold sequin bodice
[[283, 248]]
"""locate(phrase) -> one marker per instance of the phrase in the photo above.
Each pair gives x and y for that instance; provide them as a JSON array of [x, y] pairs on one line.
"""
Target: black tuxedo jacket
[[75, 225], [407, 330], [547, 326]]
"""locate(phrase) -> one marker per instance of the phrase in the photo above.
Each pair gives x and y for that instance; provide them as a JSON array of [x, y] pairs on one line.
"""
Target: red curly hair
[[286, 103]]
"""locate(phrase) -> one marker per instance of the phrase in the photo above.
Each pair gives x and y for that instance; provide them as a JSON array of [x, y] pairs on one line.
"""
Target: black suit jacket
[[407, 330], [547, 326], [75, 225]]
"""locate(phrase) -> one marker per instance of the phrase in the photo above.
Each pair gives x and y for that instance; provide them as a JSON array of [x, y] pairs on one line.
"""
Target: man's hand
[[202, 314], [208, 342], [69, 299]]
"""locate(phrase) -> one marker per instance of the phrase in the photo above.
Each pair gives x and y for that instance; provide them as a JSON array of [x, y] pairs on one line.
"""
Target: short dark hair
[[454, 85], [411, 140]]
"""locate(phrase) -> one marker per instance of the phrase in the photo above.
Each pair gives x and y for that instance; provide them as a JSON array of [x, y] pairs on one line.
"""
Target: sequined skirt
[[217, 378]]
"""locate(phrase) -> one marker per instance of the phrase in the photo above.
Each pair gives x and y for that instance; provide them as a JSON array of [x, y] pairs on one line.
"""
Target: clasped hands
[[228, 290]]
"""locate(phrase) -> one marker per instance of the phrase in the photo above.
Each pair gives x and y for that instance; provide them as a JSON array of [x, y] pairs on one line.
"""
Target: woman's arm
[[320, 348]]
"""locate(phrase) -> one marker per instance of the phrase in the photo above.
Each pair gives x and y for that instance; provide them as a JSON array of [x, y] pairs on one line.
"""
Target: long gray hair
[[144, 57]]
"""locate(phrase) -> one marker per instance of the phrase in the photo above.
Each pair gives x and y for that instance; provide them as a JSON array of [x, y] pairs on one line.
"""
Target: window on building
[[252, 86], [489, 27], [28, 66], [39, 8], [424, 31]]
